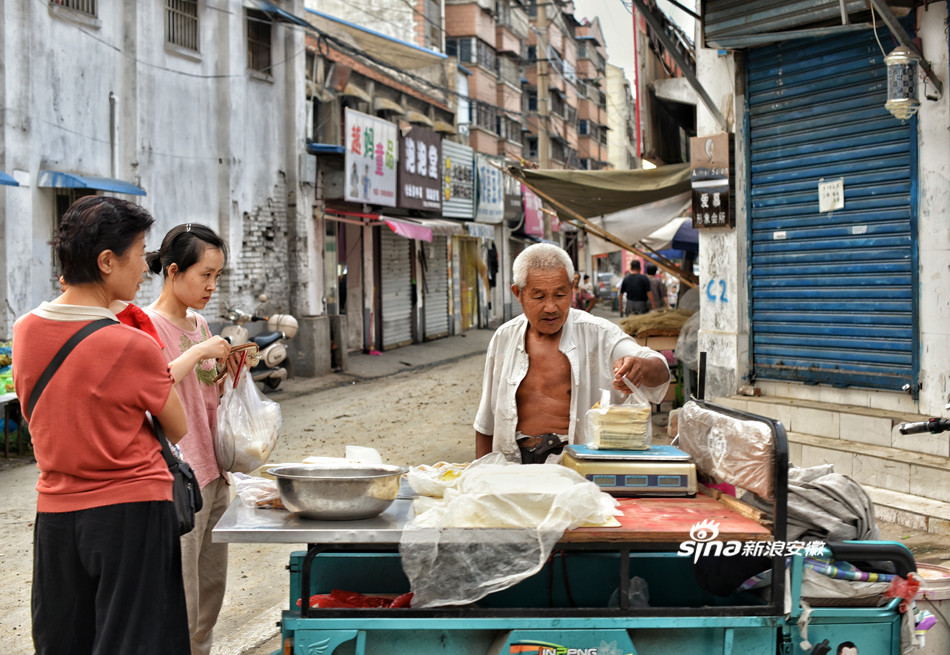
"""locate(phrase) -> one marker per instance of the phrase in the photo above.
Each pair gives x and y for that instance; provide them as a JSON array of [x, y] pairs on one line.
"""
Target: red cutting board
[[652, 520]]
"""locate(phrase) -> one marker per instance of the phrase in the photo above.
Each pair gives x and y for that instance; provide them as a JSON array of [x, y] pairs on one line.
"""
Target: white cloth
[[591, 345]]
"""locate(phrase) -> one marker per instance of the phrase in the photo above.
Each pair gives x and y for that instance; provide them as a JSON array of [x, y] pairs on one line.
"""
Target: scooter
[[272, 351], [933, 426]]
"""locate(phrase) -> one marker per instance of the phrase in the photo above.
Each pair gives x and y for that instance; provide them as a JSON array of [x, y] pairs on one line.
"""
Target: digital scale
[[656, 471]]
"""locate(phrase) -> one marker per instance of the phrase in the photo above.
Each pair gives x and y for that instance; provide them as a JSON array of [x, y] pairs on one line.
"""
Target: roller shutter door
[[833, 294], [396, 273], [436, 290]]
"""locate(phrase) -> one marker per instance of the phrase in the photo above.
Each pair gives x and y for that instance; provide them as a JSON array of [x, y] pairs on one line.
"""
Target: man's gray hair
[[540, 257]]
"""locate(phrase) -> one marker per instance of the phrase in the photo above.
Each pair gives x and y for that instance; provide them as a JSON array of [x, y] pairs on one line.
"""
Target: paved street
[[414, 404]]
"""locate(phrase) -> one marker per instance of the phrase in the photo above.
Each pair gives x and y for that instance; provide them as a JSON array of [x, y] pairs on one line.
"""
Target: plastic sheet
[[494, 528], [248, 426], [730, 449], [687, 345]]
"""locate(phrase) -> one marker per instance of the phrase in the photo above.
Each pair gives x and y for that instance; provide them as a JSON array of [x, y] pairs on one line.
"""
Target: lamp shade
[[902, 100]]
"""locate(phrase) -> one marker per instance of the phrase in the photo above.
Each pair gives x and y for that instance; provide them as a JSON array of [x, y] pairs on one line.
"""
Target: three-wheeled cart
[[567, 608]]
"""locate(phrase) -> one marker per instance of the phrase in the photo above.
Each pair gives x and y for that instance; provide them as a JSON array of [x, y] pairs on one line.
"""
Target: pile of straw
[[655, 322]]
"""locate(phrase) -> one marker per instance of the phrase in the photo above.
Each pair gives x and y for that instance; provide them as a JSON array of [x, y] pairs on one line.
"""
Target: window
[[556, 103], [532, 53], [471, 50], [258, 41], [87, 7], [433, 20], [502, 13], [532, 97], [532, 144], [581, 50], [509, 70], [582, 127], [509, 129], [181, 23], [485, 116]]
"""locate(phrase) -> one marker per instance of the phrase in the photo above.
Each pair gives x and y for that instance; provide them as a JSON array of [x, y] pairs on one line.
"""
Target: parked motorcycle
[[933, 426], [271, 344]]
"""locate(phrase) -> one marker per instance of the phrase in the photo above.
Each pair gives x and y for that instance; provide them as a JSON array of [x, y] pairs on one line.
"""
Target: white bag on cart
[[494, 528]]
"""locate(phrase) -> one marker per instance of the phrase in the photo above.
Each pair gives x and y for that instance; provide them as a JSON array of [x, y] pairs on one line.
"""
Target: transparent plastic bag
[[256, 492], [624, 426], [248, 426]]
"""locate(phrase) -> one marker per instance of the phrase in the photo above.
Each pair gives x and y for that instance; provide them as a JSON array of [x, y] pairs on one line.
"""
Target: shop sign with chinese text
[[533, 216], [458, 181], [370, 160], [711, 179], [420, 170], [491, 200]]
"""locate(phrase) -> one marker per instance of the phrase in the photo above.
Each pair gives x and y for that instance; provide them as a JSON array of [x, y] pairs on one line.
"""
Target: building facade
[[194, 113]]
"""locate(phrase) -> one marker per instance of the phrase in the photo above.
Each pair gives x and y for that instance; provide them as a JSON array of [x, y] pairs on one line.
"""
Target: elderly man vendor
[[547, 367]]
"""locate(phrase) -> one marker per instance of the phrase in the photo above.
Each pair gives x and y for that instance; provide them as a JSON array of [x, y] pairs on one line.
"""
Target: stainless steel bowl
[[344, 492]]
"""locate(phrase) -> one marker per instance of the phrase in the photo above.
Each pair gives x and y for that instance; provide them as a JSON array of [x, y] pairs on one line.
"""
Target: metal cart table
[[564, 609]]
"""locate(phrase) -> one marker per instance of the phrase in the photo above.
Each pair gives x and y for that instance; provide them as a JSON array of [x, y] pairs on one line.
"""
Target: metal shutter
[[436, 296], [833, 295], [396, 273]]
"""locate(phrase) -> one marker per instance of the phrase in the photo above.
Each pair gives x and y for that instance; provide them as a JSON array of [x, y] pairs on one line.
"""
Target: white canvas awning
[[639, 223]]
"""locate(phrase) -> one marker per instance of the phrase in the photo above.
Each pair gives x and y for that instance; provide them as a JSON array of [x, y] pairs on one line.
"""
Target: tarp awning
[[380, 103], [414, 116], [639, 223], [408, 229], [441, 226], [61, 180], [8, 180], [404, 55], [596, 193]]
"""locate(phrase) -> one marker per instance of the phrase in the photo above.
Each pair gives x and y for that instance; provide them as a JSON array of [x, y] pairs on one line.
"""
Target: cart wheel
[[272, 383]]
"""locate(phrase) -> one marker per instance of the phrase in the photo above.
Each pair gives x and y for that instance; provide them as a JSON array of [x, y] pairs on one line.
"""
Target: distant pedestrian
[[636, 287], [658, 288]]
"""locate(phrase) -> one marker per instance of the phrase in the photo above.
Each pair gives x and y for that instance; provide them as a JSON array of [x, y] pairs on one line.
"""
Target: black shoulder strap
[[61, 356]]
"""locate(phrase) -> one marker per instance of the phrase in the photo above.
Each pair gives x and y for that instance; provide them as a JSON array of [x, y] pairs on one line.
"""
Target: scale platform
[[656, 471]]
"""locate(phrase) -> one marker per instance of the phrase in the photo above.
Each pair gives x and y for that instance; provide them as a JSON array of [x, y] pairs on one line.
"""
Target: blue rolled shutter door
[[833, 294]]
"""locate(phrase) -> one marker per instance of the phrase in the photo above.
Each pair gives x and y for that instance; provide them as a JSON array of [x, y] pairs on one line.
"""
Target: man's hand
[[639, 371]]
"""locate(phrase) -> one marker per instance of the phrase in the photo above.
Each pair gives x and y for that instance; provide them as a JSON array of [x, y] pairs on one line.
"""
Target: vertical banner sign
[[491, 200], [458, 181], [514, 205], [533, 217], [371, 156], [420, 170], [711, 180]]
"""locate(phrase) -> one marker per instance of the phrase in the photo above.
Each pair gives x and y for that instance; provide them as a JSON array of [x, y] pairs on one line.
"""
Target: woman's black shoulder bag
[[187, 494]]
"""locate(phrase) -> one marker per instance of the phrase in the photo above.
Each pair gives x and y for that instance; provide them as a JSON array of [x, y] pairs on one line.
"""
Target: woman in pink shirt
[[191, 259]]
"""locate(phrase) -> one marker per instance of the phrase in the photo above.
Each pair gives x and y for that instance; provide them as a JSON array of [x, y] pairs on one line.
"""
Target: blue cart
[[578, 604]]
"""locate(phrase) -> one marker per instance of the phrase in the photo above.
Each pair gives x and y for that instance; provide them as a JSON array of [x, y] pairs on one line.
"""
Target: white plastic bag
[[624, 426], [248, 426], [433, 480]]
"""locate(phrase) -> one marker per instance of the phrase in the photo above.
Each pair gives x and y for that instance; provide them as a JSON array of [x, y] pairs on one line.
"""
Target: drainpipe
[[114, 133], [636, 80]]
